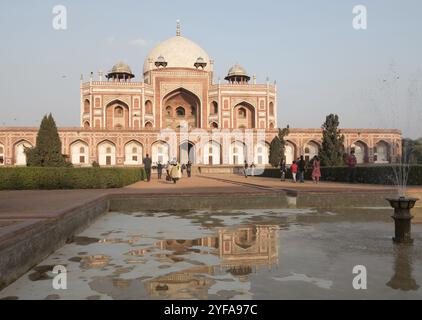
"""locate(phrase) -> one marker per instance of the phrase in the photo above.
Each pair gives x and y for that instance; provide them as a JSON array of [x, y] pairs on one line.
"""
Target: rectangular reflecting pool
[[245, 254]]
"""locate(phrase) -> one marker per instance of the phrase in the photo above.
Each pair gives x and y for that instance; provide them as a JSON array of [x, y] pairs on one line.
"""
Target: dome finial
[[178, 27]]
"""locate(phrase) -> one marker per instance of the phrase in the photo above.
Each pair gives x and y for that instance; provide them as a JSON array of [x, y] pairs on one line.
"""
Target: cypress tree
[[47, 151], [332, 148], [277, 147]]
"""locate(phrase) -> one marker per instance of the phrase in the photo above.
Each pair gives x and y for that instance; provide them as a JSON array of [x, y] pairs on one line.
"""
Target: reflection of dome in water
[[162, 287]]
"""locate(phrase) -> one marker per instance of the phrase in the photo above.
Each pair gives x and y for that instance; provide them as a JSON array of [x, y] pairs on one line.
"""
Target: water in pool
[[248, 254]]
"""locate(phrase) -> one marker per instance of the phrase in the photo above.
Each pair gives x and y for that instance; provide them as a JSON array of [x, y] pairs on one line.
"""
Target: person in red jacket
[[351, 163], [293, 168]]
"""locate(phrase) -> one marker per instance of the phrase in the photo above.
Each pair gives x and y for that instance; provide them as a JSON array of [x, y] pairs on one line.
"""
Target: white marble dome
[[178, 52]]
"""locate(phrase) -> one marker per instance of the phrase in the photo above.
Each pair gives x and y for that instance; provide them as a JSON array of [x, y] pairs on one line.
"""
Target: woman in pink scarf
[[316, 171]]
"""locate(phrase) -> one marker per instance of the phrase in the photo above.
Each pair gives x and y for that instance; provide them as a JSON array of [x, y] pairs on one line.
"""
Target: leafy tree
[[47, 151], [412, 151], [278, 147], [332, 148]]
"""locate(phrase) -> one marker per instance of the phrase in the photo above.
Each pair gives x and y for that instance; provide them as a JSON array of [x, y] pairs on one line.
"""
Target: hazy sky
[[371, 78]]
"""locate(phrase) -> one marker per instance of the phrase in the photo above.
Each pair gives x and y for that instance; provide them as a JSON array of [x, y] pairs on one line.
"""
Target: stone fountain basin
[[402, 202]]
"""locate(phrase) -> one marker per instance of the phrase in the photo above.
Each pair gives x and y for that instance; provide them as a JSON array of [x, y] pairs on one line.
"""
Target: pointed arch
[[106, 151], [213, 108], [261, 153], [117, 114], [311, 149], [382, 151], [148, 107], [160, 152], [181, 105], [79, 152], [212, 153], [87, 106], [271, 109], [361, 151], [187, 152], [238, 153], [244, 115], [19, 152], [290, 151], [133, 152]]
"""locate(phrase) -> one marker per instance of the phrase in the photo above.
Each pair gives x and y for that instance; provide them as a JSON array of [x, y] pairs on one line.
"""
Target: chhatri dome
[[120, 71], [179, 52], [237, 74]]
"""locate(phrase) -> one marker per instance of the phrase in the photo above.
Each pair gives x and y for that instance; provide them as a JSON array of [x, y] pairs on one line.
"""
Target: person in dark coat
[[245, 170], [283, 169], [147, 165], [159, 170], [301, 167], [351, 164], [189, 169]]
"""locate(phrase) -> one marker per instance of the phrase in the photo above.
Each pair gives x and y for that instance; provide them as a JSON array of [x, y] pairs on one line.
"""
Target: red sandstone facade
[[177, 111]]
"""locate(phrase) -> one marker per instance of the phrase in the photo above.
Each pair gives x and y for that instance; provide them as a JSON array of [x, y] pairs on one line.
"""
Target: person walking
[[147, 165], [159, 170], [175, 172], [245, 169], [301, 168], [168, 167], [351, 163], [253, 169], [283, 169], [316, 169], [293, 168], [189, 168], [182, 168]]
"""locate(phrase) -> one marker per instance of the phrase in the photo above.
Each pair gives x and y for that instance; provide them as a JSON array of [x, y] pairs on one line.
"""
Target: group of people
[[174, 171], [300, 165]]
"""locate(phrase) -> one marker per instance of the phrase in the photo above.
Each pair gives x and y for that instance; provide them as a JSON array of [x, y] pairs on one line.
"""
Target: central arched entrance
[[181, 107], [187, 152]]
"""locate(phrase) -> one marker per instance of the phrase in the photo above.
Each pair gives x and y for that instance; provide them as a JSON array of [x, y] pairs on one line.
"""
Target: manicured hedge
[[375, 174], [34, 178]]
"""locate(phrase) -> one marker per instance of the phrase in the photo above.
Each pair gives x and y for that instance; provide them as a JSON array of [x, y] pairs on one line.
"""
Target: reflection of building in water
[[187, 284], [248, 247], [240, 251], [95, 262]]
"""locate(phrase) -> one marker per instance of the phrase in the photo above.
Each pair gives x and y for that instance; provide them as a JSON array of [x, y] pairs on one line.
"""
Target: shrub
[[49, 178], [47, 151], [375, 174]]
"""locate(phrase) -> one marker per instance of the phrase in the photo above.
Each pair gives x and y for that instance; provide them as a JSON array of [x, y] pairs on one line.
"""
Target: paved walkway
[[42, 204]]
